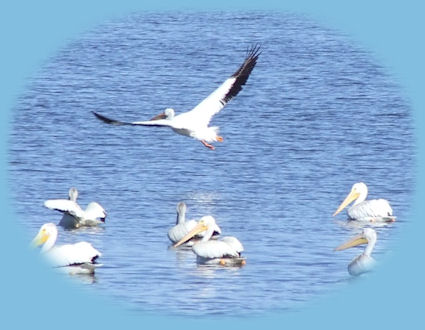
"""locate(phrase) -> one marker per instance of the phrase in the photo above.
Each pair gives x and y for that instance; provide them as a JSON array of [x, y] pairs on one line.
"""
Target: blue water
[[317, 115]]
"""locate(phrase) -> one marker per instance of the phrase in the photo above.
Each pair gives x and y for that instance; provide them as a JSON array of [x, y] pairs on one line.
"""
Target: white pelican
[[78, 258], [183, 227], [225, 251], [74, 216], [364, 262], [373, 210], [194, 123]]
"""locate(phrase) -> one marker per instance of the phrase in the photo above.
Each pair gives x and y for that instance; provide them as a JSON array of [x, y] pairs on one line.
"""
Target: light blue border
[[392, 298]]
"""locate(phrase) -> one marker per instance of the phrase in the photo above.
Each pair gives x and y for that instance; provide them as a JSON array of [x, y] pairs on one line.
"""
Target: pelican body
[[374, 210], [225, 251], [73, 215], [78, 258], [183, 227], [364, 262], [194, 123]]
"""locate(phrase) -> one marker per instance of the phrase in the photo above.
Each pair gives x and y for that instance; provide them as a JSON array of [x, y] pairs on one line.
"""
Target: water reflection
[[85, 278], [212, 271], [183, 255], [353, 224]]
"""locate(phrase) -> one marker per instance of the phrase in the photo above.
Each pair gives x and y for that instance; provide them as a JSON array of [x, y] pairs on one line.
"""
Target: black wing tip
[[244, 71], [253, 52], [107, 120]]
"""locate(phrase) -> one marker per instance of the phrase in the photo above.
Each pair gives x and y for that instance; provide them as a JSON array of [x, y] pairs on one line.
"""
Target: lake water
[[317, 115]]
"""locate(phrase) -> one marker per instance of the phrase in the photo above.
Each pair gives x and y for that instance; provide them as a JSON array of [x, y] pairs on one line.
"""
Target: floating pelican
[[364, 262], [373, 210], [74, 216], [225, 251], [78, 258], [183, 227], [194, 123]]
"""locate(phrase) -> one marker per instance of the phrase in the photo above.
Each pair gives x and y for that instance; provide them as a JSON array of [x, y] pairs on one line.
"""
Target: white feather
[[177, 232], [215, 249], [373, 208], [70, 254]]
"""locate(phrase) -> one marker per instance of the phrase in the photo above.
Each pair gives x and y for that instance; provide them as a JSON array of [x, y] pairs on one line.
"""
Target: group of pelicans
[[201, 235]]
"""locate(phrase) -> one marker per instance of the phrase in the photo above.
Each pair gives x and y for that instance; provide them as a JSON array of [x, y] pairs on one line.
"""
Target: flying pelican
[[373, 210], [194, 123], [364, 262], [78, 258], [225, 251], [182, 227], [74, 216]]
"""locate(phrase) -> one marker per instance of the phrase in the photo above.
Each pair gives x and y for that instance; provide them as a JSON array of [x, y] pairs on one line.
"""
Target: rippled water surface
[[317, 115]]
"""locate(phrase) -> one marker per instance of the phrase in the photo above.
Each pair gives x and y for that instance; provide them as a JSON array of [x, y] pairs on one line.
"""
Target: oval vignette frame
[[28, 291]]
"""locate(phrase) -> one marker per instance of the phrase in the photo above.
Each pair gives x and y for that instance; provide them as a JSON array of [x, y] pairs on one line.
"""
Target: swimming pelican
[[78, 258], [364, 262], [225, 251], [194, 123], [183, 227], [74, 216], [373, 210]]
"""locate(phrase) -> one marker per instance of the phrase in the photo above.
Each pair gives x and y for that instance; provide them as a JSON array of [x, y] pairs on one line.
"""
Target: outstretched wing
[[227, 90], [158, 122], [65, 206]]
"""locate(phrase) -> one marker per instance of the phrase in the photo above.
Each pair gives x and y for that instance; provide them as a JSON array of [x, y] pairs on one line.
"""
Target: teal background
[[391, 298]]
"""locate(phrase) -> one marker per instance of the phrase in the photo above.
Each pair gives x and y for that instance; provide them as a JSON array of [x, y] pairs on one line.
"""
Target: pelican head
[[358, 192], [206, 223], [367, 236], [73, 194], [167, 114], [46, 236]]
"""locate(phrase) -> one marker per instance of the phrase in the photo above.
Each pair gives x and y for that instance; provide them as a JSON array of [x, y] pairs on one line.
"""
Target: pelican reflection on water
[[374, 210], [364, 262], [225, 251]]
